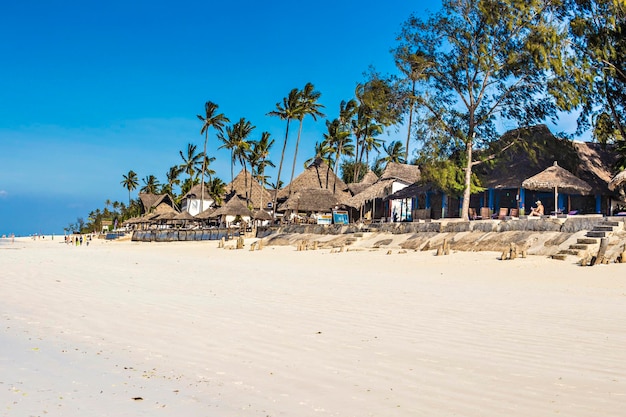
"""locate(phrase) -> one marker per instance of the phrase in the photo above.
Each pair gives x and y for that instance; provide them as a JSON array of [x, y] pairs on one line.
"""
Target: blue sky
[[90, 90]]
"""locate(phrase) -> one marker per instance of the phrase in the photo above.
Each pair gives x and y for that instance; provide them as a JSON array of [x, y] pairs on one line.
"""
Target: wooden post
[[599, 259]]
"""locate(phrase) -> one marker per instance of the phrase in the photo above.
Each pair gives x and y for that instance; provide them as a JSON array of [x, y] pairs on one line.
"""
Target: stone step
[[570, 251], [603, 228], [559, 256], [594, 233], [611, 223], [587, 241], [579, 246]]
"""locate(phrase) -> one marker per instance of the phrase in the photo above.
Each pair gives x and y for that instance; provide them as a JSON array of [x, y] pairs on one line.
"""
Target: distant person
[[537, 211]]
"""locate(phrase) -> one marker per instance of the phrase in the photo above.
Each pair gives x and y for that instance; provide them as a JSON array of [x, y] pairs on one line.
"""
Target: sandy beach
[[187, 329]]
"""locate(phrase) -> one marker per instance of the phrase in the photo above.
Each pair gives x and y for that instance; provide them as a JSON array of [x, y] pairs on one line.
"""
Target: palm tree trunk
[[468, 179], [295, 155], [280, 167], [206, 139]]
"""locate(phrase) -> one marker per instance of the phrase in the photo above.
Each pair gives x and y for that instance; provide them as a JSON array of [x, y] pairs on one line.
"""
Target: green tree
[[308, 106], [130, 182], [288, 110], [172, 180], [236, 140], [151, 185], [210, 119], [191, 161], [395, 153], [259, 153], [487, 60], [594, 75]]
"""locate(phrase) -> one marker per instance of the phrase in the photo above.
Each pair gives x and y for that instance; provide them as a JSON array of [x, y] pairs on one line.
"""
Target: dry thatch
[[411, 191], [185, 215], [206, 214], [596, 161], [318, 175], [234, 207], [557, 177], [262, 215], [160, 203], [196, 192], [259, 197], [381, 189], [404, 172], [617, 180], [313, 200]]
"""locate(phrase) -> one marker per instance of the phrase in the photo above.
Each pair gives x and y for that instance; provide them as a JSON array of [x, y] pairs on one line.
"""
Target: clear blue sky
[[90, 90]]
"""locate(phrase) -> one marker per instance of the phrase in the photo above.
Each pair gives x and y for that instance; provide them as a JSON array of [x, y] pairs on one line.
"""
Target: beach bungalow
[[193, 203], [372, 203], [524, 153], [313, 206], [243, 185], [318, 175]]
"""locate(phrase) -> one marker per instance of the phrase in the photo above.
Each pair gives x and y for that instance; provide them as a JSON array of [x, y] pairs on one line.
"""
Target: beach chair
[[514, 212], [485, 213], [472, 214], [502, 213]]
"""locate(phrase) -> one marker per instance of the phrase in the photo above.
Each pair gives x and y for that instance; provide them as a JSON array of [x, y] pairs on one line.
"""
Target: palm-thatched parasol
[[617, 181], [262, 215], [556, 178]]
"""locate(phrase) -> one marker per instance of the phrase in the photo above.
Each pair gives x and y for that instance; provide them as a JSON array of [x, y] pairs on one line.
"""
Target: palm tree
[[216, 188], [308, 106], [151, 185], [338, 138], [210, 119], [172, 179], [130, 182], [236, 140], [395, 153], [258, 160], [191, 160], [289, 110]]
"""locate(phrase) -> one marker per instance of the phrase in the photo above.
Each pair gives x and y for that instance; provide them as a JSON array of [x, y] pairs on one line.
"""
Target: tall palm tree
[[236, 140], [308, 106], [324, 151], [242, 129], [151, 185], [395, 153], [191, 160], [289, 110], [130, 182], [258, 160], [338, 139], [210, 119], [172, 179]]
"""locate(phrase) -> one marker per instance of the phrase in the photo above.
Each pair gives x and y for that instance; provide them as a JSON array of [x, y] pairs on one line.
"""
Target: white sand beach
[[187, 329]]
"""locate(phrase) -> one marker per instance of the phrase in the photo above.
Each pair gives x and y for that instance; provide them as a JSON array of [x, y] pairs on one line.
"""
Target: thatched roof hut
[[521, 153], [206, 214], [157, 203], [259, 197], [318, 175], [618, 180], [313, 200], [234, 207], [404, 172], [368, 179], [381, 189], [556, 177]]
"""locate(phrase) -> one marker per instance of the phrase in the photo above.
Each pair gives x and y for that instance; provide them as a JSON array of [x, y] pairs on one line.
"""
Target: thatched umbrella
[[556, 178], [617, 180], [262, 215]]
